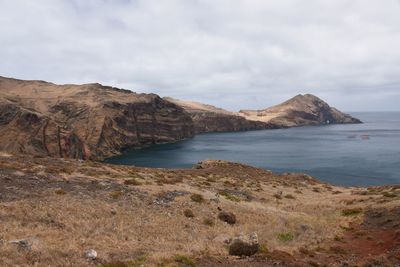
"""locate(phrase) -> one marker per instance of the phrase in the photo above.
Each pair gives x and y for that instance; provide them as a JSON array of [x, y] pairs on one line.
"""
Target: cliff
[[207, 118], [89, 121], [299, 111]]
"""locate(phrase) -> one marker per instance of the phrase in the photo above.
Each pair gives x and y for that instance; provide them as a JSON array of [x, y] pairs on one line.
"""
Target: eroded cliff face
[[207, 118], [88, 121], [299, 111]]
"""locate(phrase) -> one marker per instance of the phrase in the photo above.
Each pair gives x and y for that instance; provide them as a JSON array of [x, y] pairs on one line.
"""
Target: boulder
[[244, 245], [91, 254]]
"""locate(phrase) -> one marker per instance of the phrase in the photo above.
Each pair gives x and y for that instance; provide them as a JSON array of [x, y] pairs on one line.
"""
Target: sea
[[365, 154]]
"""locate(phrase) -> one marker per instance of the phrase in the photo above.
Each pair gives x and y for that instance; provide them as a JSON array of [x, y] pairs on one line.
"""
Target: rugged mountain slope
[[84, 121], [300, 110], [207, 118]]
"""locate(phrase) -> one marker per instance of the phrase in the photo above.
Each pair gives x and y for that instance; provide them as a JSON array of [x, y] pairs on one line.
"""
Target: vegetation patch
[[188, 213], [116, 194], [60, 191], [389, 194], [185, 260], [263, 249], [286, 237], [130, 263], [132, 181], [289, 196], [208, 221], [351, 212], [197, 198], [230, 197]]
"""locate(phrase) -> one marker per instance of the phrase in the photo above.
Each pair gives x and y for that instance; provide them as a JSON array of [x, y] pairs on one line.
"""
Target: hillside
[[60, 212], [207, 118], [89, 121], [299, 111]]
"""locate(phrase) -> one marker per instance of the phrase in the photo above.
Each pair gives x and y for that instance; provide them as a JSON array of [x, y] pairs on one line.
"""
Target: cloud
[[231, 53]]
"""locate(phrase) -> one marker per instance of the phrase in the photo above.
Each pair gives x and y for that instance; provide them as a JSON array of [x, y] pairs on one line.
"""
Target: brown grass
[[66, 225]]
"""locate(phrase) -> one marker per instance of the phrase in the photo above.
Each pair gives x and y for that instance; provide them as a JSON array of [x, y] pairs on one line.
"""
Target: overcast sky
[[231, 53]]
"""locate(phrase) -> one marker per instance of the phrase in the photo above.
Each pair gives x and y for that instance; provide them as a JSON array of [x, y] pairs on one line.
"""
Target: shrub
[[197, 198], [184, 260], [351, 212], [188, 213], [289, 196], [227, 217], [132, 181], [230, 197], [388, 194], [60, 191], [263, 248], [208, 221], [285, 237], [116, 194]]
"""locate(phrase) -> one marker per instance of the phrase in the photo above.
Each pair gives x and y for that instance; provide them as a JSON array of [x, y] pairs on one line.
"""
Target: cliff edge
[[89, 121]]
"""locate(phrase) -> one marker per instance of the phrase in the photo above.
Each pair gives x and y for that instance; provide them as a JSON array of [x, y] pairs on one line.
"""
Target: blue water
[[356, 155]]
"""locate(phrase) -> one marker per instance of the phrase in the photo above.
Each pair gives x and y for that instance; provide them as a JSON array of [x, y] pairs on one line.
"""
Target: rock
[[244, 245], [91, 254], [25, 244], [227, 217], [113, 211]]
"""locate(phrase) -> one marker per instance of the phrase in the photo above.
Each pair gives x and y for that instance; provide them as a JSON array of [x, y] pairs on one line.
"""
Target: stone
[[227, 217], [244, 245], [25, 244], [91, 254]]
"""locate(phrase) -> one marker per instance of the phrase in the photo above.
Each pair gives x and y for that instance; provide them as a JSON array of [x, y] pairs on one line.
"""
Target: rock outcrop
[[299, 111], [207, 118], [244, 245], [89, 121]]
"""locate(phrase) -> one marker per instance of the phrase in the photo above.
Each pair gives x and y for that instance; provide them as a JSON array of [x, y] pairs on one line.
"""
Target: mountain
[[299, 111], [207, 118], [89, 121]]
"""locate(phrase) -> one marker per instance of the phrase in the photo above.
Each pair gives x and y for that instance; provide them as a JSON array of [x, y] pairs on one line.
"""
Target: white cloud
[[231, 53]]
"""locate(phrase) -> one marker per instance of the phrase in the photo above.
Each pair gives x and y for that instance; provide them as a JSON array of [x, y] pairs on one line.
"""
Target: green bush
[[285, 237]]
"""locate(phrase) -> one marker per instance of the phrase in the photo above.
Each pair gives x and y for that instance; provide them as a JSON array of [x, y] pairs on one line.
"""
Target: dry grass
[[66, 225]]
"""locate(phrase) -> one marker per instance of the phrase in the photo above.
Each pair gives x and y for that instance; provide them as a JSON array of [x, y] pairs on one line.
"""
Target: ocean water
[[351, 155]]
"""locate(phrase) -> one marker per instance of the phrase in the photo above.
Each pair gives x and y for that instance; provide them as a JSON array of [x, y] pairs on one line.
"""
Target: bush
[[290, 197], [227, 217], [116, 194], [388, 194], [351, 212], [197, 198], [132, 181], [285, 237], [208, 221], [188, 213], [230, 197], [60, 191], [184, 260]]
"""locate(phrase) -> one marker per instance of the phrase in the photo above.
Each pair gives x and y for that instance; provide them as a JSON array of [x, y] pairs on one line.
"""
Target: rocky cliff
[[87, 121], [207, 118], [299, 111]]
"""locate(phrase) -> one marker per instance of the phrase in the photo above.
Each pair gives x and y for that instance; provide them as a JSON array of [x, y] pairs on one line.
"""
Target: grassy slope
[[134, 216]]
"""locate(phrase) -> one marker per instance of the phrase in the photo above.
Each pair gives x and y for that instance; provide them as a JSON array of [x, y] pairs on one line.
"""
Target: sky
[[236, 54]]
